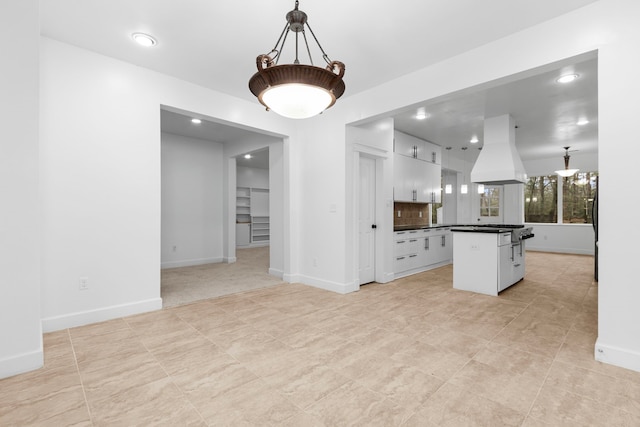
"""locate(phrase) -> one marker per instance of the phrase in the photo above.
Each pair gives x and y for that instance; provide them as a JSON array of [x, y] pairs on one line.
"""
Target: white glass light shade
[[480, 188], [567, 172], [448, 189], [297, 101], [464, 189]]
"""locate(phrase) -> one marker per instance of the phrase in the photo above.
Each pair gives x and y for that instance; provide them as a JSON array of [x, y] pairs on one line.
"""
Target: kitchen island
[[488, 259]]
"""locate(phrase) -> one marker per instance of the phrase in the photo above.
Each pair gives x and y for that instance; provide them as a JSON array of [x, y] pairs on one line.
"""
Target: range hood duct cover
[[499, 161]]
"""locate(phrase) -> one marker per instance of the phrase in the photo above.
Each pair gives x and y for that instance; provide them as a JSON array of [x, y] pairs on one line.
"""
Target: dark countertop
[[419, 227], [469, 228], [476, 229]]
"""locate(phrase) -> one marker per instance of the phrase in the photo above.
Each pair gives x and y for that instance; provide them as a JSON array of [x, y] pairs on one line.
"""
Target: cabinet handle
[[512, 253], [520, 249], [413, 256], [433, 157], [426, 243], [401, 241], [443, 241], [413, 240], [415, 151], [399, 258], [517, 265]]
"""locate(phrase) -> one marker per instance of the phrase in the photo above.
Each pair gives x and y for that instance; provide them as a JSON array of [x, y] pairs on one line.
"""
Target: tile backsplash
[[410, 214]]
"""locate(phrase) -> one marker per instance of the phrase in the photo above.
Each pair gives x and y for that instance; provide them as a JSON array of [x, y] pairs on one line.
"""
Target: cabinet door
[[431, 153], [402, 178], [433, 183], [404, 145], [420, 170]]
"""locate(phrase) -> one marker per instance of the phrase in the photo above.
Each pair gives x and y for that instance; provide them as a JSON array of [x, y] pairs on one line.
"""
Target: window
[[541, 199], [542, 193], [490, 202], [577, 197]]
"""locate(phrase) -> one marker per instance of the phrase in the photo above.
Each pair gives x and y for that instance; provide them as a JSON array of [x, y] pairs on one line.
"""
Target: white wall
[[562, 238], [20, 333], [192, 201], [100, 165], [252, 177]]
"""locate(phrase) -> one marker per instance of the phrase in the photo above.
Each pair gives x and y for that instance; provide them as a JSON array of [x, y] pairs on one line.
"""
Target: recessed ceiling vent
[[499, 161]]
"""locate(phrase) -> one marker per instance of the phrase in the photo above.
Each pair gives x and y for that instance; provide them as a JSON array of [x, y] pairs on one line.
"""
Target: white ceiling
[[214, 44]]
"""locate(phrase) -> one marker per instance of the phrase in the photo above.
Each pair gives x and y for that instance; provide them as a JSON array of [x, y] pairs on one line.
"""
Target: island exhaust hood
[[499, 161]]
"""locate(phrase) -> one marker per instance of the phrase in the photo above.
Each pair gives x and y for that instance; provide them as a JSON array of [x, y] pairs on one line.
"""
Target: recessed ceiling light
[[247, 156], [144, 39], [582, 122], [196, 121], [421, 114], [474, 140], [567, 78]]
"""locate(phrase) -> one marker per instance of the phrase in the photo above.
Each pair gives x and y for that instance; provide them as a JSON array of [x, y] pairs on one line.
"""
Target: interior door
[[367, 220]]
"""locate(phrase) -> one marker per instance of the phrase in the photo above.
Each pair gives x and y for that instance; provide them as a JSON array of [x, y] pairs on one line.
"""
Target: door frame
[[380, 156]]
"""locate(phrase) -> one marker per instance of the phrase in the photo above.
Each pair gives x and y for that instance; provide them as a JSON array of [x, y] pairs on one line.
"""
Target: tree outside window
[[541, 199], [577, 197], [542, 193]]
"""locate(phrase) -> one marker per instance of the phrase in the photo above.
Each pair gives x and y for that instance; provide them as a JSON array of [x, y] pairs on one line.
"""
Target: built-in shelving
[[252, 216]]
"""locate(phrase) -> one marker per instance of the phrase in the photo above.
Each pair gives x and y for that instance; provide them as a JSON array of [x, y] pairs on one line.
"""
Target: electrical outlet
[[420, 214], [83, 283], [399, 214]]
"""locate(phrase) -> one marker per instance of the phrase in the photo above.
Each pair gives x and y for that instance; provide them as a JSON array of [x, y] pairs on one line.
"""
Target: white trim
[[190, 262], [275, 272], [81, 318], [617, 356], [229, 260], [372, 151], [341, 288], [21, 363]]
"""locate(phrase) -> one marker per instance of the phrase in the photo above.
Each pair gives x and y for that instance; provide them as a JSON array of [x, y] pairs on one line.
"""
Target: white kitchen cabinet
[[410, 180], [433, 183], [243, 234], [410, 146], [420, 250]]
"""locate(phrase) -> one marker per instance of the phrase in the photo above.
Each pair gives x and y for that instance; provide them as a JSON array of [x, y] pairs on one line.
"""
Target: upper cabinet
[[410, 146], [417, 170]]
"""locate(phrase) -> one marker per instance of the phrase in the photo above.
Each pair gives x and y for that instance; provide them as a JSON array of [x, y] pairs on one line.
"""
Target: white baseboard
[[341, 288], [230, 260], [277, 273], [21, 363], [190, 262], [81, 318], [572, 251], [617, 356]]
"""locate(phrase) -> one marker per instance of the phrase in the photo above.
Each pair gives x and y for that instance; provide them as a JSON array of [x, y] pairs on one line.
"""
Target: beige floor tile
[[432, 360], [616, 392], [352, 404], [412, 352], [156, 403], [252, 403], [456, 406], [403, 384], [305, 382], [113, 379], [558, 407]]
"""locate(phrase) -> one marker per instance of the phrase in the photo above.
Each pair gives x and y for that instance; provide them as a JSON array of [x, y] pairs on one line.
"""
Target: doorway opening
[[201, 173]]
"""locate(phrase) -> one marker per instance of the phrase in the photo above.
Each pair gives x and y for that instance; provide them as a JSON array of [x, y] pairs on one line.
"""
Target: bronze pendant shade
[[296, 90]]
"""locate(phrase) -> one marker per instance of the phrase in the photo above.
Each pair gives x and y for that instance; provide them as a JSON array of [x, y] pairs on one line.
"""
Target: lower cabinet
[[421, 250]]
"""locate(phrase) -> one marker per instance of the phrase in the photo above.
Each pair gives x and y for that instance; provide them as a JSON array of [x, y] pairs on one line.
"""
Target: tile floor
[[413, 352]]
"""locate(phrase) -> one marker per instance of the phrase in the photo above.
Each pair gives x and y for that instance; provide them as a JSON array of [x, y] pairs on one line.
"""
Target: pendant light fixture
[[464, 188], [296, 91], [566, 172]]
